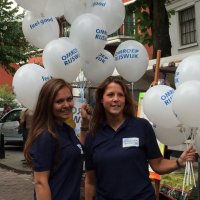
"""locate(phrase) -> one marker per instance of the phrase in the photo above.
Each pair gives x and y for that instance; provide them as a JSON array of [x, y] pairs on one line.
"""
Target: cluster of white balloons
[[171, 110], [91, 22]]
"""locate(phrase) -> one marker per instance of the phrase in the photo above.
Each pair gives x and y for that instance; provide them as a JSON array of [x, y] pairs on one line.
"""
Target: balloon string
[[81, 86], [132, 86], [194, 182], [189, 171], [183, 187]]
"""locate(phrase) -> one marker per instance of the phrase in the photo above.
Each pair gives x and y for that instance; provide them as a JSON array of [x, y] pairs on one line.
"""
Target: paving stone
[[14, 186]]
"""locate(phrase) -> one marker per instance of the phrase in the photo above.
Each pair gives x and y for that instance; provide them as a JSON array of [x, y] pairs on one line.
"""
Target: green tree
[[13, 46], [152, 15], [160, 27], [7, 97]]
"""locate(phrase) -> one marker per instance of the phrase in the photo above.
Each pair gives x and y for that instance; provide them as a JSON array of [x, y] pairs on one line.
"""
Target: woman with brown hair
[[52, 148], [120, 147]]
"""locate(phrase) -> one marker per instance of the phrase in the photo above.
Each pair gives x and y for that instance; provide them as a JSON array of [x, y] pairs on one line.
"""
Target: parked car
[[9, 126], [1, 111]]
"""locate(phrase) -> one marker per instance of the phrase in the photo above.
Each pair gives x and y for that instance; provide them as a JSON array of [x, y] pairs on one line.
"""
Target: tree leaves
[[13, 46], [6, 96]]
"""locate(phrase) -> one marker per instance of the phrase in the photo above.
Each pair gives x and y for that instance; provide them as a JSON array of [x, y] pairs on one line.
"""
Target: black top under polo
[[63, 158], [120, 160]]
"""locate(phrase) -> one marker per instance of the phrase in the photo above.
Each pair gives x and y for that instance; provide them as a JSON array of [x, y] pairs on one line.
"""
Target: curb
[[19, 171]]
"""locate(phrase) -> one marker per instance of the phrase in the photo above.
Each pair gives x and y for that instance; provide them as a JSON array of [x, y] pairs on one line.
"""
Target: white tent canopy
[[164, 62]]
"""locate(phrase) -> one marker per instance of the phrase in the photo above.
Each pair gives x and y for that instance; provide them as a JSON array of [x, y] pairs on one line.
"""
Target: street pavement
[[14, 160], [14, 186], [16, 181]]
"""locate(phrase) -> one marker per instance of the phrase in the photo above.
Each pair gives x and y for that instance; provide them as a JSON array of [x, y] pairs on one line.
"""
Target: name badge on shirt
[[130, 142], [80, 147]]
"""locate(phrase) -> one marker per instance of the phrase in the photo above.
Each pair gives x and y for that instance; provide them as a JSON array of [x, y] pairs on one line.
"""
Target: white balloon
[[54, 8], [40, 30], [171, 136], [158, 108], [112, 12], [100, 68], [185, 103], [36, 5], [89, 34], [27, 83], [188, 69], [73, 9], [62, 60], [131, 60], [88, 4]]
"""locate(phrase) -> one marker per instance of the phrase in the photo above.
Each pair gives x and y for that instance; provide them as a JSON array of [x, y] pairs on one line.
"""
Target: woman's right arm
[[42, 188], [90, 185]]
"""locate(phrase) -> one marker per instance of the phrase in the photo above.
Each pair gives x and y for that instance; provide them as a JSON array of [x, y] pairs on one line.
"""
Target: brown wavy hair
[[99, 112], [43, 118]]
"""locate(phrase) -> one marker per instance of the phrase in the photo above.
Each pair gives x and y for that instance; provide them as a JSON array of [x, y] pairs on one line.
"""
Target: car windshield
[[13, 115]]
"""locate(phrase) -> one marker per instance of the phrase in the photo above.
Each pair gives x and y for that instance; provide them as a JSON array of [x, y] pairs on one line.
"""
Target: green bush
[[7, 97]]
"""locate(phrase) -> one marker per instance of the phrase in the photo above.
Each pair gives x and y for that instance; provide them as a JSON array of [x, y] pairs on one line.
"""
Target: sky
[[15, 4]]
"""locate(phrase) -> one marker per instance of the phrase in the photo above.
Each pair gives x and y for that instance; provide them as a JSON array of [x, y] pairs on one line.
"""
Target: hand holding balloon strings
[[86, 113], [187, 157]]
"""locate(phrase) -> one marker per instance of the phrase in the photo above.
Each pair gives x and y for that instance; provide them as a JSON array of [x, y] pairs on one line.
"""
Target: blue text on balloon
[[42, 21], [102, 4], [46, 78], [101, 34], [102, 58], [176, 79], [167, 97], [70, 56], [126, 53]]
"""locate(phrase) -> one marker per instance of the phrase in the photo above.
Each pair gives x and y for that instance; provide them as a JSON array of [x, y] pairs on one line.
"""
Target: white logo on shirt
[[80, 147]]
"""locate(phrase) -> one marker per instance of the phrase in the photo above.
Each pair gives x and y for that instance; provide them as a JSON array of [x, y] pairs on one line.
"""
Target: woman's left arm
[[163, 166], [42, 187]]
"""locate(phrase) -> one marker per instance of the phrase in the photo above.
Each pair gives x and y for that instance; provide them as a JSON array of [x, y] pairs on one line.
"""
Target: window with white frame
[[187, 26]]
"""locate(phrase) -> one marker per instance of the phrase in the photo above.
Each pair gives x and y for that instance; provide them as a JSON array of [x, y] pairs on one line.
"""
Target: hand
[[187, 155], [86, 113]]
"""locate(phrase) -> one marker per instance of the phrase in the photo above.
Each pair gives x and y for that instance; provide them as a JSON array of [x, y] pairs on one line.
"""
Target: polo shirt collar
[[105, 124], [62, 127]]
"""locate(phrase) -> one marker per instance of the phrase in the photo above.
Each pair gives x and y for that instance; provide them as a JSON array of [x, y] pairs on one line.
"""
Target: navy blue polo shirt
[[120, 160], [63, 158]]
